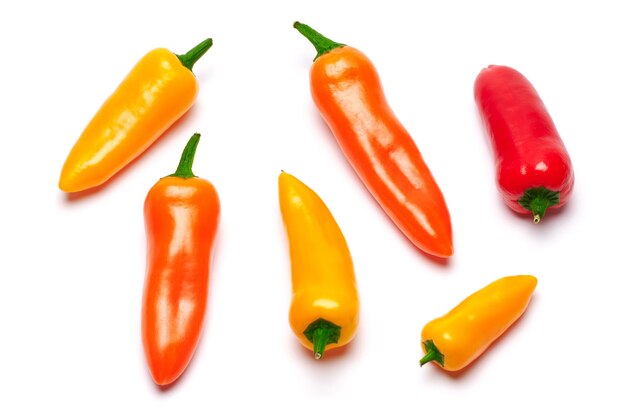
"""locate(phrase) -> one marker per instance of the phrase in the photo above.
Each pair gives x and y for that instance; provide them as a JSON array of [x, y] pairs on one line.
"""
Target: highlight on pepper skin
[[324, 311], [456, 339]]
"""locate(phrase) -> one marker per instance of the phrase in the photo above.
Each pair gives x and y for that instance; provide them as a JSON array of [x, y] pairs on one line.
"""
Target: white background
[[72, 269]]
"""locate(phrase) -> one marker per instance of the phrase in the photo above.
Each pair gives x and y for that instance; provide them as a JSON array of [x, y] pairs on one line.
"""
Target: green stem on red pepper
[[537, 200]]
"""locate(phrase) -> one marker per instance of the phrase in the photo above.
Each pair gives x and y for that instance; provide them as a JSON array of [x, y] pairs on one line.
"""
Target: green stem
[[537, 200], [320, 339], [195, 53], [186, 159], [321, 333], [321, 43], [432, 353]]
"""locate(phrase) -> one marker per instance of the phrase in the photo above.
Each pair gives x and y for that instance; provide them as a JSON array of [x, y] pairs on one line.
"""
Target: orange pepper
[[156, 93], [348, 94], [181, 213], [324, 311], [456, 339]]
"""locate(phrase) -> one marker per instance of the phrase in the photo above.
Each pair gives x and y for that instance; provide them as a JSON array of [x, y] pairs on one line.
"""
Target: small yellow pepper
[[456, 339], [158, 91], [325, 304]]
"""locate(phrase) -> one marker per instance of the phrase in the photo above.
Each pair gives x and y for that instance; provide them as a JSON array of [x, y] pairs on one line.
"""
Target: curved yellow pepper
[[157, 92], [325, 303], [456, 339]]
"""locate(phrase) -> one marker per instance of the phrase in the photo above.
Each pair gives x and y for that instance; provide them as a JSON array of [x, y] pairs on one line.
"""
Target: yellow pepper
[[456, 339], [324, 311], [156, 93]]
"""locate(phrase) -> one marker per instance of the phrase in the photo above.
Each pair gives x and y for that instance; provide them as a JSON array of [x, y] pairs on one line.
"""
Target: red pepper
[[533, 168]]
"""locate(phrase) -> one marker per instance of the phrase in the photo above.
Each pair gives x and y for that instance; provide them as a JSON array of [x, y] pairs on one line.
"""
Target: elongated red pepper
[[533, 168]]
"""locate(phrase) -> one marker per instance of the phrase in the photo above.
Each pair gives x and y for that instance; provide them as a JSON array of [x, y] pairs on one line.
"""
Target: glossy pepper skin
[[181, 214], [456, 339], [348, 94], [533, 169], [156, 93], [324, 311]]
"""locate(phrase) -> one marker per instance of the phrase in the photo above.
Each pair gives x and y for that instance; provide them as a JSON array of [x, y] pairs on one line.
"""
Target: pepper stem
[[195, 53], [186, 159], [321, 333], [321, 43], [432, 353], [537, 200]]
